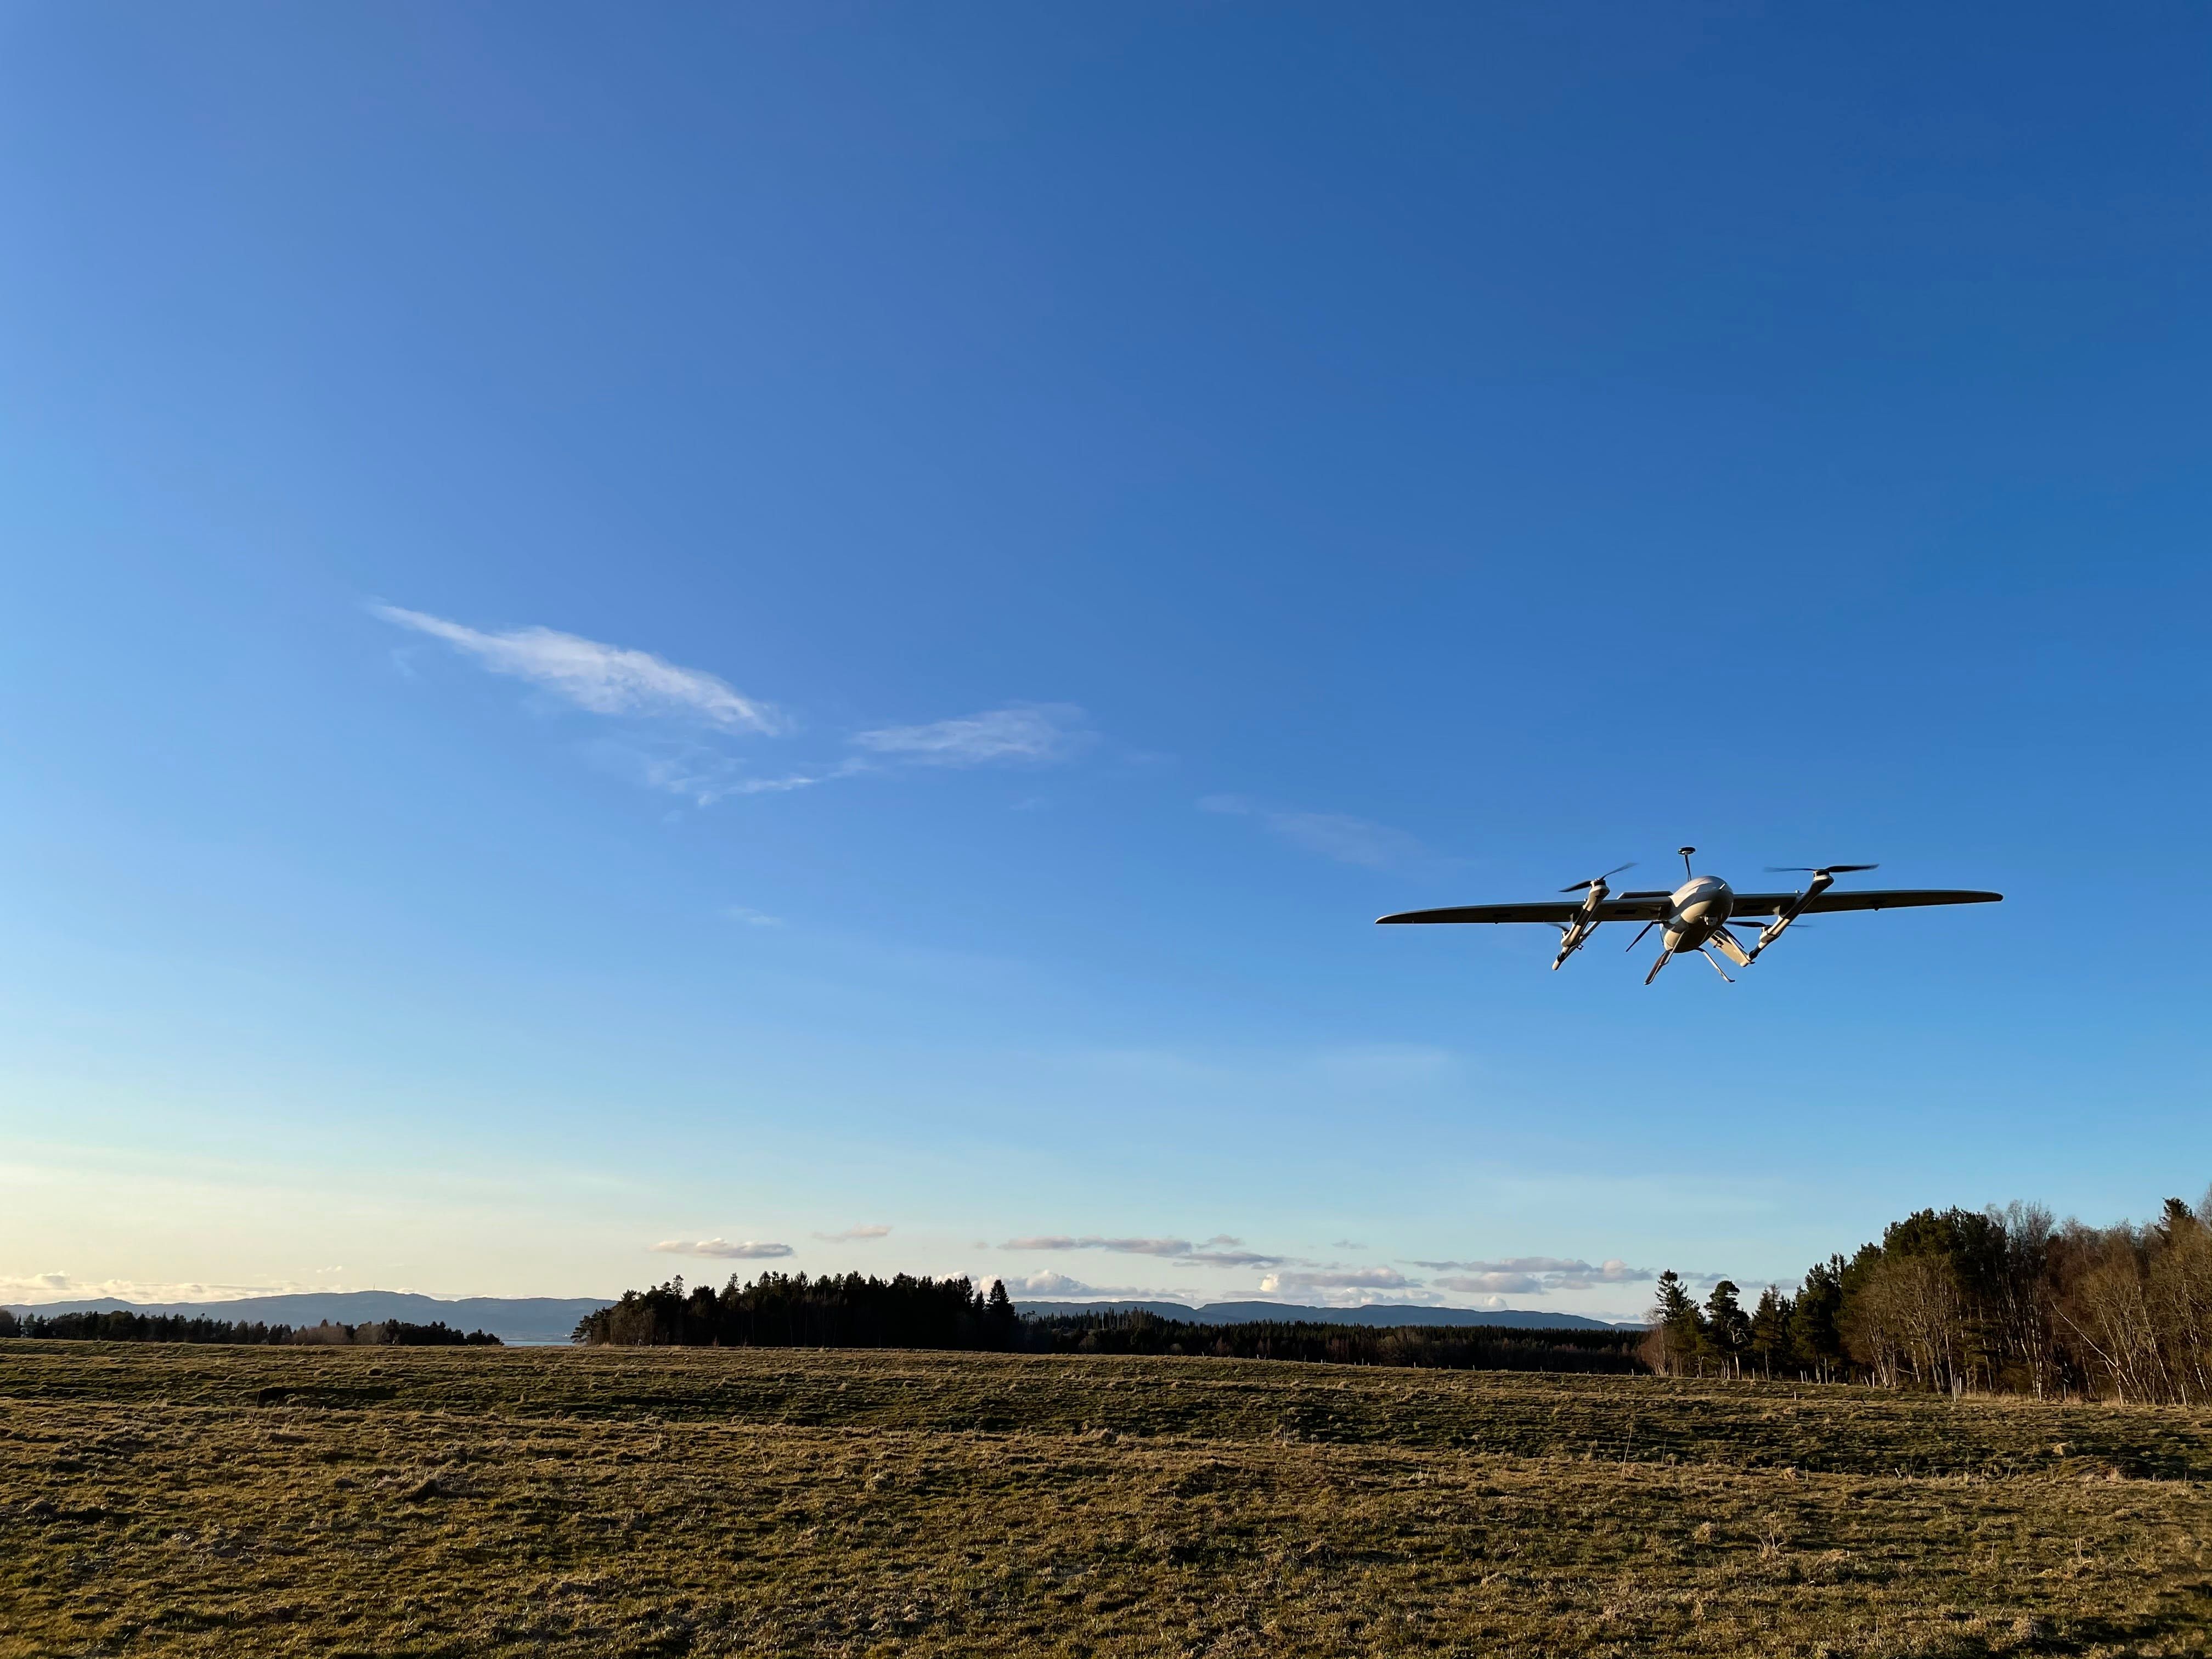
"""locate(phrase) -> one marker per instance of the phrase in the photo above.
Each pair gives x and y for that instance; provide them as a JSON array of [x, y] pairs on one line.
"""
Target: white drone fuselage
[[1695, 911]]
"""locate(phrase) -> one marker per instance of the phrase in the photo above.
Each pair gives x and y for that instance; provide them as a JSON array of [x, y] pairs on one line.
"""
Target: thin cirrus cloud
[[1333, 835], [607, 679], [722, 1249], [1024, 733], [695, 713], [853, 1234]]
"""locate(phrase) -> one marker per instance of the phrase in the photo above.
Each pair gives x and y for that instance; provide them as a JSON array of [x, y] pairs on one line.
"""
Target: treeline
[[2002, 1301], [1455, 1347], [121, 1325], [790, 1310], [779, 1310]]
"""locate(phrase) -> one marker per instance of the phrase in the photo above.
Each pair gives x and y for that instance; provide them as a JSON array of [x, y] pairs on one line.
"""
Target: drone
[[1696, 915]]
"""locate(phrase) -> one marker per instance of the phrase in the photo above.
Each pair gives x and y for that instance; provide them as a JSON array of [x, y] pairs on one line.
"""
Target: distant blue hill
[[1238, 1313], [517, 1319]]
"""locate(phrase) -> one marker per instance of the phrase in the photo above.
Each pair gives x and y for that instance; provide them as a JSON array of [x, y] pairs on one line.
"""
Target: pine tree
[[1770, 1328], [1676, 1319], [1000, 1317], [1816, 1338], [1728, 1333]]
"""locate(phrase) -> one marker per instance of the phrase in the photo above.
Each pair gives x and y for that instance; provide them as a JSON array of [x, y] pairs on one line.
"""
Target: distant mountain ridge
[[1373, 1313], [525, 1320]]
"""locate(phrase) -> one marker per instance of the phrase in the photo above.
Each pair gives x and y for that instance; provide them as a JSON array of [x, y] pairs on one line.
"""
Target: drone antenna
[[1685, 852]]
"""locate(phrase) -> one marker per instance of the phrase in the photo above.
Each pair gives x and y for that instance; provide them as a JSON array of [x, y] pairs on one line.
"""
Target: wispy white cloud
[[607, 679], [750, 917], [1516, 1264], [701, 773], [697, 712], [1333, 835], [1030, 733], [722, 1249], [852, 1234], [1125, 1246]]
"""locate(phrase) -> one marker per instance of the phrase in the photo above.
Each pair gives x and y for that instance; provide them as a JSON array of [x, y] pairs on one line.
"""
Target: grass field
[[211, 1500]]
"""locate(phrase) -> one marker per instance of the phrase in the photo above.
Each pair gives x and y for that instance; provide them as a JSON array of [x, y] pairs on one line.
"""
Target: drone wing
[[1629, 906], [1896, 898], [1652, 907]]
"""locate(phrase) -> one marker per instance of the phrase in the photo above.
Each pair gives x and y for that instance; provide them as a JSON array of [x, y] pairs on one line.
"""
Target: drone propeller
[[1817, 870], [1577, 886]]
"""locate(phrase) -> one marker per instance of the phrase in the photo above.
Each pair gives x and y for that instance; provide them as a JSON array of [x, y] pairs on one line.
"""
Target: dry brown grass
[[225, 1500]]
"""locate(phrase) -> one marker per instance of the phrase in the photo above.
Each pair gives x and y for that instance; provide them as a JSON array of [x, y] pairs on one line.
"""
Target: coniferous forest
[[1433, 1347], [122, 1325], [790, 1310]]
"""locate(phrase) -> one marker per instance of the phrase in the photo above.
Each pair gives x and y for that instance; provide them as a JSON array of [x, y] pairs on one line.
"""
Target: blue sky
[[746, 628]]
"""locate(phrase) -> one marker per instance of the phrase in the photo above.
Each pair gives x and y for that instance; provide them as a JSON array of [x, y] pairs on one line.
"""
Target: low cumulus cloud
[[1493, 1284], [32, 1289], [722, 1249], [1486, 1284], [1220, 1251], [852, 1234], [1536, 1275], [1029, 733], [1336, 1279], [1348, 1287], [1049, 1284], [1336, 835]]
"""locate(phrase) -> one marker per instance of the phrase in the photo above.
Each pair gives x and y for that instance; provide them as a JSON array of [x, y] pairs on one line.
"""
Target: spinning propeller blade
[[1577, 886], [1818, 869]]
